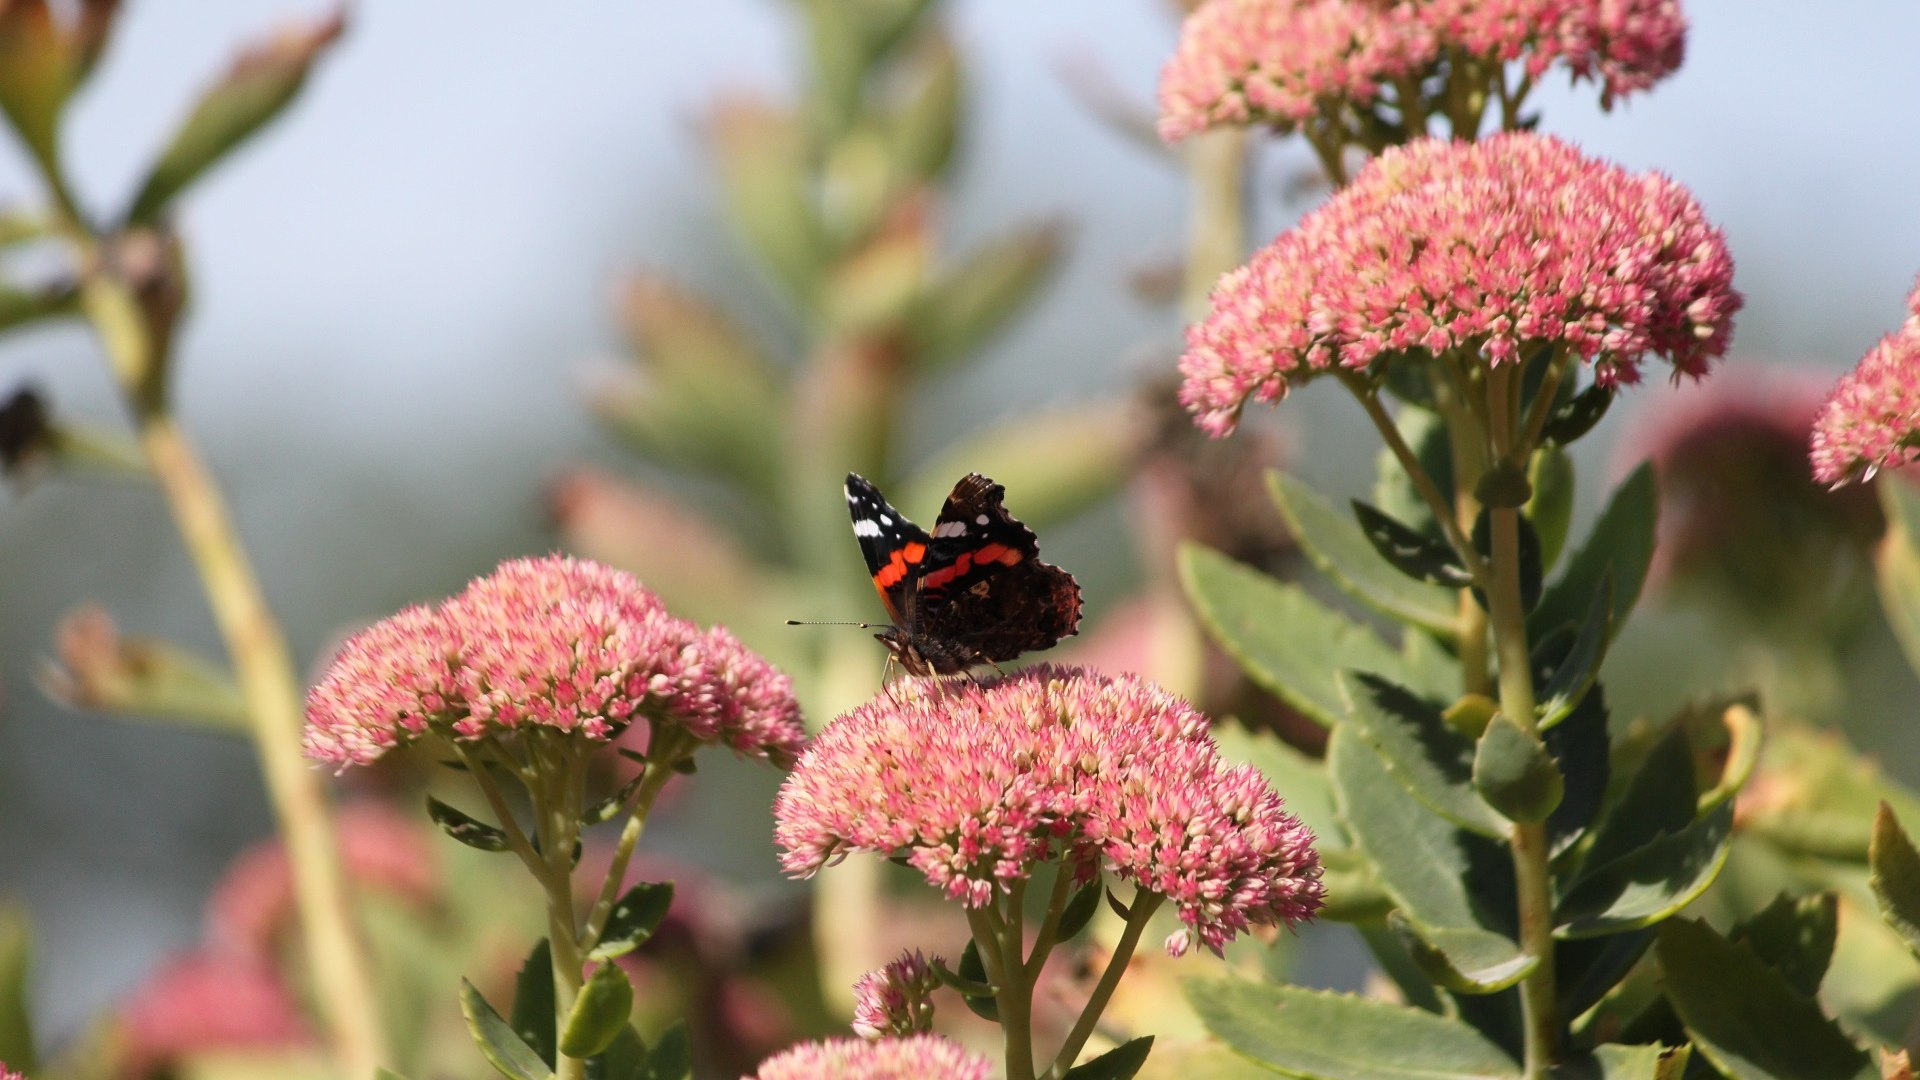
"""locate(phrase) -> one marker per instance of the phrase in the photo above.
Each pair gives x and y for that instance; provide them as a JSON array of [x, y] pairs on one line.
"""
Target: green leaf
[[1551, 508], [1743, 754], [1896, 563], [1313, 1033], [1347, 556], [469, 831], [1422, 751], [1393, 490], [1119, 1063], [1287, 642], [1586, 970], [1745, 1017], [1615, 1061], [16, 1022], [261, 83], [1895, 876], [599, 1013], [625, 1058], [503, 1049], [633, 919], [23, 307], [146, 678], [1836, 794], [1514, 772], [1578, 415], [1389, 951], [1354, 894], [1577, 670], [973, 970], [1418, 555], [1081, 907], [1622, 539], [1649, 884], [1794, 937], [606, 808], [1441, 876], [979, 296], [1467, 960], [672, 1055], [533, 1008], [921, 130], [1579, 745], [763, 156], [1659, 800]]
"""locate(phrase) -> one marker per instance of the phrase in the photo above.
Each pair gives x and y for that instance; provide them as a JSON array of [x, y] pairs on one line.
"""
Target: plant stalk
[[1217, 225], [1539, 1011], [264, 671], [1144, 905]]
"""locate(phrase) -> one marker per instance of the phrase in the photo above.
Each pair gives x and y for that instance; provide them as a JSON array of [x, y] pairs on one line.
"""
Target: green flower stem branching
[[1144, 905], [1443, 512], [1048, 936], [667, 748]]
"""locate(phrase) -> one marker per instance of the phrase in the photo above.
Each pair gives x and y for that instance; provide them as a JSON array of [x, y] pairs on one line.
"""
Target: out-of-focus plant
[[123, 271], [1517, 866], [838, 197]]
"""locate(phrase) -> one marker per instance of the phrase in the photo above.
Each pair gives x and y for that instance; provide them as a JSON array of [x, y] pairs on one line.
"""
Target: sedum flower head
[[977, 784], [551, 642], [897, 999], [918, 1057], [207, 1001], [1490, 250], [1281, 62], [1872, 419]]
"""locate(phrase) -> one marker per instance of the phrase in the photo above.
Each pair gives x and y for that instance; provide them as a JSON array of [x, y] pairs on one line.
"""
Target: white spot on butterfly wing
[[981, 520], [866, 527], [885, 520], [950, 528]]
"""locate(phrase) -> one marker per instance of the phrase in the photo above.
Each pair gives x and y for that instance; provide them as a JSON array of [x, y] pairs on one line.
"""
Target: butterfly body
[[973, 592]]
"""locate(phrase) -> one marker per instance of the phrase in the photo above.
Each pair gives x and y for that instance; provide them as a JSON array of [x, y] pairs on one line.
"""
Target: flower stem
[[1044, 941], [556, 810], [264, 670], [659, 769], [1537, 999], [1429, 491], [998, 941], [1144, 905]]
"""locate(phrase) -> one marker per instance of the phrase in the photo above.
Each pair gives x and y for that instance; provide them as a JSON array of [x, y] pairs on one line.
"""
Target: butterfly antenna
[[809, 622]]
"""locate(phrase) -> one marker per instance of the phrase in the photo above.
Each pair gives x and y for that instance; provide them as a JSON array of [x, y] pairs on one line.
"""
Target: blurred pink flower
[[204, 1001], [920, 1057], [1279, 62], [381, 849], [9, 1074], [978, 783], [1491, 249], [896, 1000], [556, 642], [1872, 420]]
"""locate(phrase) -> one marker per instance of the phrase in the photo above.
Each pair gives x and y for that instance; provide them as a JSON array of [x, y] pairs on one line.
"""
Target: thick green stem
[[1043, 941], [997, 937], [1144, 905], [1541, 1022], [1469, 459], [556, 810]]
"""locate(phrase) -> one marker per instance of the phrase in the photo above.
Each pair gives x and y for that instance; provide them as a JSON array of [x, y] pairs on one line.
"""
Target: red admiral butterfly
[[974, 592]]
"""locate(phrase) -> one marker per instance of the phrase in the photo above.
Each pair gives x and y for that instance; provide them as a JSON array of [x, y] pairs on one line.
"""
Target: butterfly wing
[[895, 548], [984, 585]]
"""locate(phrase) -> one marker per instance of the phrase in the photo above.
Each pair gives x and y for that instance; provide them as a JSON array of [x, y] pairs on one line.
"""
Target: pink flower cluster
[[555, 642], [1279, 62], [896, 1000], [1872, 420], [203, 1001], [920, 1057], [977, 784], [1484, 249]]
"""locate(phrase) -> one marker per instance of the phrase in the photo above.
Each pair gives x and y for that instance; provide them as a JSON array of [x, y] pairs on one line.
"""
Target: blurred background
[[401, 291]]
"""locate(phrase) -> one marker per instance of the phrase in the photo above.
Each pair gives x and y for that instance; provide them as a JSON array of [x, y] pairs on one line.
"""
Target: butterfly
[[973, 592]]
